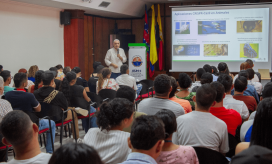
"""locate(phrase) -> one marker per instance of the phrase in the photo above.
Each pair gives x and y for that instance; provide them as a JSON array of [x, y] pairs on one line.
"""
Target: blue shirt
[[139, 158], [250, 91], [214, 77], [32, 79]]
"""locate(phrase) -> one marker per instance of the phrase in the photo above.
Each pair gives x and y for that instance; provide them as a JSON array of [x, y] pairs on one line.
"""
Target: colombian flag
[[153, 47], [159, 38]]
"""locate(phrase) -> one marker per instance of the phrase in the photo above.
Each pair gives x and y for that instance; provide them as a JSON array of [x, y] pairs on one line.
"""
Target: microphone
[[117, 51]]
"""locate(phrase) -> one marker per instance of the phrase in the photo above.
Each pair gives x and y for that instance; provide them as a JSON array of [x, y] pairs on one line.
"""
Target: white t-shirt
[[230, 103], [127, 80], [42, 158], [111, 57], [255, 78]]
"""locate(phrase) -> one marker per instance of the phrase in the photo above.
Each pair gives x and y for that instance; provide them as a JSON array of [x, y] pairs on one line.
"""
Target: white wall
[[29, 35]]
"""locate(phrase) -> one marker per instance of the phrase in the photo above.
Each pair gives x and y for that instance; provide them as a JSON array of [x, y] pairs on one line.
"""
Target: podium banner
[[137, 60]]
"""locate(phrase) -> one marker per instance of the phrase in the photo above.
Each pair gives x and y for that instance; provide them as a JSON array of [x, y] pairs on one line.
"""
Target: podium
[[137, 60]]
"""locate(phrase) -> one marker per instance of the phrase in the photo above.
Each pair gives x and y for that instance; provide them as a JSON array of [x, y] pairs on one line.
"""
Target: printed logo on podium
[[137, 61]]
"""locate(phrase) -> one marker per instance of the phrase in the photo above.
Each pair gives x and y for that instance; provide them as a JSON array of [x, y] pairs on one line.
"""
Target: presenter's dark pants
[[115, 75]]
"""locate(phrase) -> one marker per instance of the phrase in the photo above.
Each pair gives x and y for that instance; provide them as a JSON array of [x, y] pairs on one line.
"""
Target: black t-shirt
[[82, 82], [92, 83], [57, 82], [77, 99]]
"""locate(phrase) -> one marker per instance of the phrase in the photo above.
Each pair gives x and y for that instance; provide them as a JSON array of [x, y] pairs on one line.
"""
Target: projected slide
[[220, 35]]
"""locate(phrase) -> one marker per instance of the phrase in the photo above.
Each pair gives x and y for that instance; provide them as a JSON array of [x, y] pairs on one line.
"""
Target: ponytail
[[104, 73]]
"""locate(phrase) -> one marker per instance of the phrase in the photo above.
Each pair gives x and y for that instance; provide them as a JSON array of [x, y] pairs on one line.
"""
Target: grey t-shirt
[[151, 106], [201, 129], [252, 116]]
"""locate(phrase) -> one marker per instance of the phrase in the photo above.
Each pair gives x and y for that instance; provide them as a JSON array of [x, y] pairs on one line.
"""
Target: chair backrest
[[144, 89], [149, 83], [95, 98], [208, 156], [49, 110], [107, 93], [232, 145]]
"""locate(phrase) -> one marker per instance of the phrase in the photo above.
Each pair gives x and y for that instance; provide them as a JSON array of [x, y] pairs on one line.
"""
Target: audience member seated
[[80, 81], [229, 102], [261, 131], [105, 82], [7, 80], [257, 85], [215, 71], [49, 95], [38, 82], [231, 117], [184, 103], [243, 66], [29, 82], [250, 62], [128, 93], [224, 69], [66, 70], [94, 77], [172, 153], [240, 85], [184, 83], [21, 100], [162, 87], [199, 73], [73, 153], [250, 91], [20, 132], [57, 82], [77, 96], [60, 75], [126, 79], [146, 140], [95, 65], [200, 128], [206, 78], [109, 139], [209, 69], [31, 72]]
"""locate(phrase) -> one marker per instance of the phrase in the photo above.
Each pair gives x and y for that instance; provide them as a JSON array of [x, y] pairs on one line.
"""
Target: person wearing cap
[[115, 58], [29, 82], [81, 81], [94, 78], [49, 95]]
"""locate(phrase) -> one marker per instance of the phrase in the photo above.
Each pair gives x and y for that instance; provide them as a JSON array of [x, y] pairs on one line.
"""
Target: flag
[[153, 47], [160, 39], [146, 38]]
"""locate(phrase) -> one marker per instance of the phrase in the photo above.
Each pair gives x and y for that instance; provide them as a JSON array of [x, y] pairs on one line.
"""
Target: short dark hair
[[75, 153], [243, 73], [126, 92], [5, 74], [226, 80], [207, 68], [174, 87], [220, 90], [76, 69], [54, 69], [215, 71], [184, 80], [66, 70], [222, 67], [206, 78], [19, 79], [16, 128], [250, 62], [251, 73], [59, 66], [240, 84], [124, 68], [169, 120], [267, 91], [205, 96], [146, 131], [112, 113], [199, 73], [162, 84]]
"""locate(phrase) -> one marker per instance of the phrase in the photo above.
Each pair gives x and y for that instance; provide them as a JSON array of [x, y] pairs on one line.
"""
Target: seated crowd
[[220, 115]]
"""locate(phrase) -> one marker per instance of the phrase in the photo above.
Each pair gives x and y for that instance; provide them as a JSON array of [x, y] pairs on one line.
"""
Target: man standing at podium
[[115, 58]]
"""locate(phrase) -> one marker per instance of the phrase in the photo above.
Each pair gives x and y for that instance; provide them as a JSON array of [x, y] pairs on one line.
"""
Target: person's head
[[250, 62], [32, 70], [48, 78], [38, 79], [71, 153], [66, 70], [244, 73], [223, 68], [116, 43], [162, 85], [22, 70], [147, 135], [240, 84], [206, 78], [244, 66], [184, 81], [116, 113], [6, 76], [59, 67], [220, 91], [215, 71], [99, 69], [69, 80], [169, 120], [1, 86], [227, 82], [251, 73], [55, 70], [124, 69], [126, 92], [77, 70], [105, 74], [95, 65], [261, 132], [267, 91], [20, 80], [205, 97], [18, 130], [174, 87], [199, 73], [1, 68], [207, 68]]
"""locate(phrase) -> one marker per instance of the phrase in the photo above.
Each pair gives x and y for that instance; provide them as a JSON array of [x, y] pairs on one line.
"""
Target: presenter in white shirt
[[115, 58]]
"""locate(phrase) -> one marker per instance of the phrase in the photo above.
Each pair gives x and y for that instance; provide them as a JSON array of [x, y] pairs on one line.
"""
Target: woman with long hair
[[31, 72], [105, 82], [38, 81]]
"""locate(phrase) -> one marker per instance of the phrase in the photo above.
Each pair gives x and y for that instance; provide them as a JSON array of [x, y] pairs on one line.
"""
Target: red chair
[[6, 148]]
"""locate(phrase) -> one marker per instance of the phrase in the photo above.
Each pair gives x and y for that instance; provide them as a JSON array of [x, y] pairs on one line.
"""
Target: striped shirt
[[5, 107], [112, 146]]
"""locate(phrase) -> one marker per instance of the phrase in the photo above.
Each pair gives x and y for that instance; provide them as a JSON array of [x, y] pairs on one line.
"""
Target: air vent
[[104, 4]]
